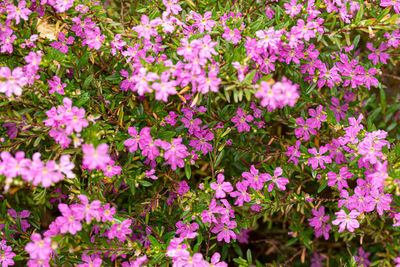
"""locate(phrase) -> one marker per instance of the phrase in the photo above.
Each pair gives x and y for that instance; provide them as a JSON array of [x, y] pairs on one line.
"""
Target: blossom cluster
[[185, 133]]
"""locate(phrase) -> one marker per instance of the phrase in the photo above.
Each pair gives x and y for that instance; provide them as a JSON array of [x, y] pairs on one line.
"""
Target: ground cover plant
[[199, 133]]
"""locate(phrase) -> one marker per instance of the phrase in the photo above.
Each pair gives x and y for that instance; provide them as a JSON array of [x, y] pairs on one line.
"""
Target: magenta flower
[[369, 79], [224, 232], [241, 193], [175, 153], [362, 258], [317, 115], [377, 54], [221, 187], [39, 248], [7, 255], [70, 220], [203, 23], [231, 35], [319, 159], [255, 180], [12, 82], [145, 29], [319, 217], [200, 144], [339, 110], [193, 125], [207, 216], [170, 119], [62, 43], [183, 188], [165, 88], [339, 179], [348, 221], [18, 12], [172, 6], [294, 153], [241, 121], [56, 86], [280, 182], [308, 127], [90, 261], [132, 143], [120, 230], [95, 158], [186, 230]]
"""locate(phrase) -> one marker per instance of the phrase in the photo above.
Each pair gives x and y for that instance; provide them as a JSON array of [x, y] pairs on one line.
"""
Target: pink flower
[[241, 121], [193, 125], [56, 86], [175, 153], [348, 221], [183, 188], [145, 29], [95, 158], [186, 230], [39, 248], [86, 209], [232, 35], [208, 215], [319, 217], [294, 153], [308, 127], [319, 159], [120, 230], [132, 143], [215, 260], [165, 88], [256, 180], [90, 261], [12, 82], [94, 38], [293, 8], [203, 23], [201, 144], [377, 54], [317, 115], [172, 6], [221, 187], [362, 258], [19, 12], [70, 220], [7, 256], [62, 43], [339, 179], [280, 182], [224, 232], [241, 193]]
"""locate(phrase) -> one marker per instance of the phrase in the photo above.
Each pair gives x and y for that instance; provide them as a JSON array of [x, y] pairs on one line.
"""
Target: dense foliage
[[199, 133]]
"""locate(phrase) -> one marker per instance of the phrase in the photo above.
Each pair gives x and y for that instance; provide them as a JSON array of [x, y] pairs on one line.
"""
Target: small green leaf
[[188, 171]]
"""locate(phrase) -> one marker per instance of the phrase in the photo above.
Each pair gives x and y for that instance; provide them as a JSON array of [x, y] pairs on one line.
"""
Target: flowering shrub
[[199, 133]]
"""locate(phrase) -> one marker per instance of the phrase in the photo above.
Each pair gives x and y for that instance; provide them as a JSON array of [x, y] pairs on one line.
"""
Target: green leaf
[[87, 81], [249, 257], [360, 12], [82, 100], [84, 59], [322, 186], [144, 183], [188, 171]]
